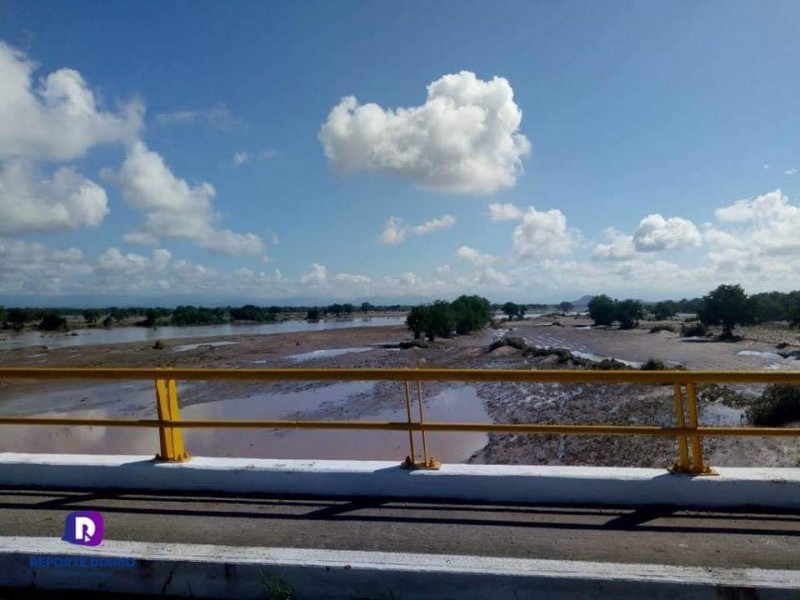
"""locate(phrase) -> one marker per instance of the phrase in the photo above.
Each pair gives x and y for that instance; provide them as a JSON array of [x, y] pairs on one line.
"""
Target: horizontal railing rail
[[462, 375], [688, 431]]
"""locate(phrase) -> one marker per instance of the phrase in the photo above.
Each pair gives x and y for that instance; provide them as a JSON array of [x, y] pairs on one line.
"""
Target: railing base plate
[[677, 469], [432, 464]]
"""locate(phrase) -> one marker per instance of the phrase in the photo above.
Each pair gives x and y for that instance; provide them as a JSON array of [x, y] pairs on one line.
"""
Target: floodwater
[[456, 404], [86, 337], [329, 353], [720, 415]]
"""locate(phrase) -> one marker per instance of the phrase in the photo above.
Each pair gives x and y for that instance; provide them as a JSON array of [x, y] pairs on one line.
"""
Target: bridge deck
[[657, 536]]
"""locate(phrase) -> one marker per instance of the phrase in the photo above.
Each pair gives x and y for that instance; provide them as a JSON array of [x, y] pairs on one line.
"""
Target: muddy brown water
[[458, 403]]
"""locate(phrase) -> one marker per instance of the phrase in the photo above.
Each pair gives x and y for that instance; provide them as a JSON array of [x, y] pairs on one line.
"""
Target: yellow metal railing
[[170, 425]]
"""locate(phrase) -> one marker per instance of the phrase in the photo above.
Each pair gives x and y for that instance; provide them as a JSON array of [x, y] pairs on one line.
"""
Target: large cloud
[[173, 208], [619, 246], [67, 200], [58, 118], [463, 139], [655, 233], [542, 234], [32, 268], [768, 224]]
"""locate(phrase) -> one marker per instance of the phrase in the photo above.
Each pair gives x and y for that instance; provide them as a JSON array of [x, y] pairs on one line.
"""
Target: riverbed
[[120, 335]]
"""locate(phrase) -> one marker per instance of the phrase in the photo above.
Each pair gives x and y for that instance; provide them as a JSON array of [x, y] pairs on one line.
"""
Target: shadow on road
[[373, 510]]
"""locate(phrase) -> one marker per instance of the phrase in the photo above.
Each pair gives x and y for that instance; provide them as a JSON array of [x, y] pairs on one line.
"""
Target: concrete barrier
[[732, 488], [239, 572]]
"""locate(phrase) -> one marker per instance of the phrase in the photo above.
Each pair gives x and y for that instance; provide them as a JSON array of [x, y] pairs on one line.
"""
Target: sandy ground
[[546, 403]]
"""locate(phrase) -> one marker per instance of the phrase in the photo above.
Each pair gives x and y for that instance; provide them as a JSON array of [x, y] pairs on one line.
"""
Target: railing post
[[171, 438], [411, 459], [428, 463], [698, 468], [683, 450]]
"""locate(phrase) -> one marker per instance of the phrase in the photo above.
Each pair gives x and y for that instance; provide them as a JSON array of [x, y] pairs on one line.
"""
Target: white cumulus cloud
[[395, 229], [464, 139], [56, 117], [504, 212], [655, 233], [542, 234], [175, 209], [318, 275], [619, 246], [437, 224], [67, 200]]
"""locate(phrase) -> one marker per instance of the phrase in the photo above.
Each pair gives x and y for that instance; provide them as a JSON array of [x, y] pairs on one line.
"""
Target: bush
[[727, 306], [653, 364], [713, 392], [465, 314], [53, 322], [159, 345], [628, 312], [778, 405], [694, 330], [610, 364], [657, 328], [602, 310]]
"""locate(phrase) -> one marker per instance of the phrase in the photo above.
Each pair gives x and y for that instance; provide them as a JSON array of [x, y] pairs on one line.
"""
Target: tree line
[[56, 319], [442, 319], [725, 306]]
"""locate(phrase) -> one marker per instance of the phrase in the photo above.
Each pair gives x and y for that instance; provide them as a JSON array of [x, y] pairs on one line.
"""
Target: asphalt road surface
[[656, 536]]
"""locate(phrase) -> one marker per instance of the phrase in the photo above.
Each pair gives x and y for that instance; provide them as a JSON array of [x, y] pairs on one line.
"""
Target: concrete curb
[[241, 572], [732, 488]]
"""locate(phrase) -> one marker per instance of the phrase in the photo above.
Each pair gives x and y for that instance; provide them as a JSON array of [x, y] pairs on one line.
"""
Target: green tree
[[313, 314], [367, 307], [417, 320], [471, 313], [53, 322], [2, 316], [602, 310], [794, 314], [726, 306], [90, 316], [628, 312], [565, 307], [665, 310], [17, 317], [511, 309], [440, 320]]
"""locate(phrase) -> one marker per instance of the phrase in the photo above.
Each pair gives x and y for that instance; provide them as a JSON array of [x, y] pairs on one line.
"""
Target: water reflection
[[458, 404]]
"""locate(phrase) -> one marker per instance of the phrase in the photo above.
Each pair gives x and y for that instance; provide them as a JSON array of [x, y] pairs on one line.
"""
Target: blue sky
[[654, 119]]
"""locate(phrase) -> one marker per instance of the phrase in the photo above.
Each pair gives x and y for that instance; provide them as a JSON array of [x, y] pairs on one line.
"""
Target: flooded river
[[458, 403], [86, 337]]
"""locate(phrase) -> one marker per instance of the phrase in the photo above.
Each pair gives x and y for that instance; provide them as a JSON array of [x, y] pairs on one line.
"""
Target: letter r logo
[[84, 528]]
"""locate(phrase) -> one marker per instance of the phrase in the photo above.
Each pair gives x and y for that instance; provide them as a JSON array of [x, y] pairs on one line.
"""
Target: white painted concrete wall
[[733, 487], [239, 572]]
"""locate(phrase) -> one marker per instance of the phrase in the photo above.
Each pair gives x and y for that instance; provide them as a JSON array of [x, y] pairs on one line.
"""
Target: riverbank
[[367, 348]]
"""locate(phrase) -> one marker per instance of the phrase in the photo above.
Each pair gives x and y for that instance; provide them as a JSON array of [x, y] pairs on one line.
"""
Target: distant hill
[[582, 302]]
